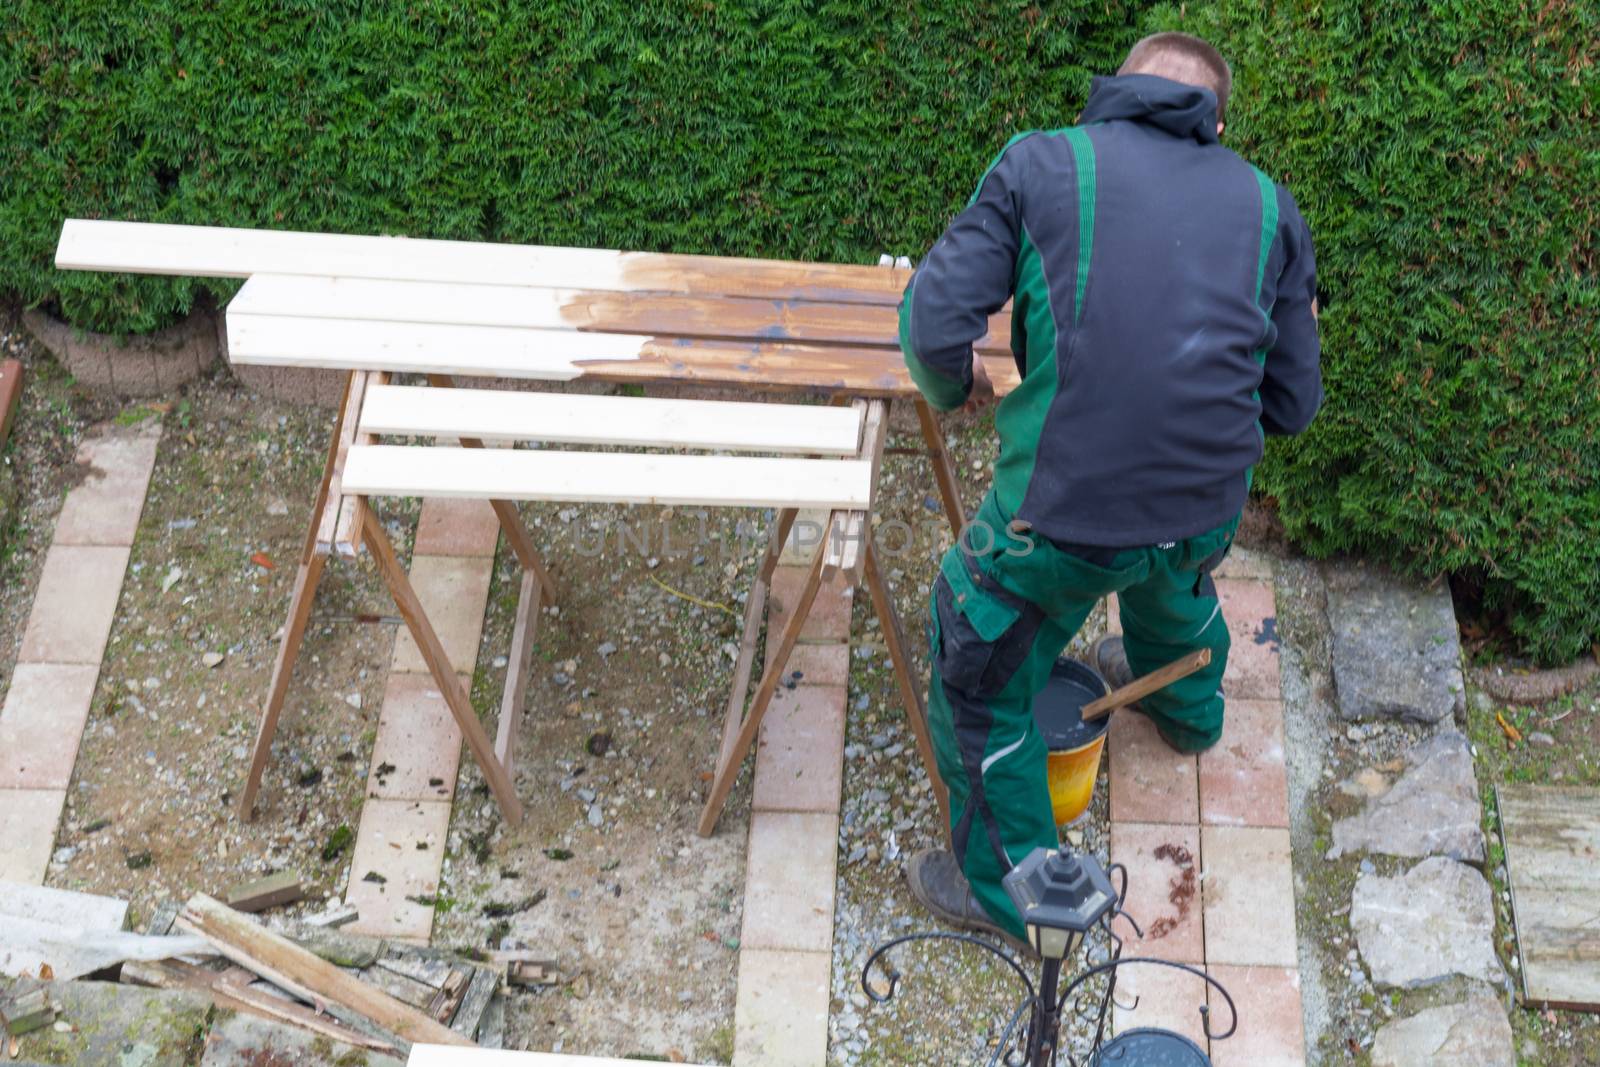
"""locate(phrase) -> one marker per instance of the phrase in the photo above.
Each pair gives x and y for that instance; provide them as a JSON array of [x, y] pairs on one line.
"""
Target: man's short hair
[[1184, 58]]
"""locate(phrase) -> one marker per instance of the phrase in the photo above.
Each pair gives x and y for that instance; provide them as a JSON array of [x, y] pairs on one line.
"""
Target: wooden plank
[[176, 974], [10, 394], [649, 422], [1552, 843], [435, 1056], [607, 477], [468, 1014], [520, 659], [282, 962], [1145, 684], [263, 893], [228, 252], [348, 429], [554, 355], [715, 316]]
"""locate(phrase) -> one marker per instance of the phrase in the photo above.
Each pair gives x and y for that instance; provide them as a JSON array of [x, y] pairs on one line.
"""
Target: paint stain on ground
[[1267, 632]]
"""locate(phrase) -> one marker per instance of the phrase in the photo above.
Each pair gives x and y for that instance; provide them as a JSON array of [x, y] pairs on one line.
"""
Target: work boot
[[938, 884], [1110, 660]]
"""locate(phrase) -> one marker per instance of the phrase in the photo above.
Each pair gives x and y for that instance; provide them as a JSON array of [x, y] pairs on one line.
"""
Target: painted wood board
[[557, 355], [1552, 843], [715, 316], [10, 394], [607, 477], [650, 422], [229, 252]]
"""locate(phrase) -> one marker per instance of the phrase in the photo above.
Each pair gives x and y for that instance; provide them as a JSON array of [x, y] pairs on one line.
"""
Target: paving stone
[[1243, 781], [830, 612], [1474, 1033], [1248, 889], [1271, 1022], [104, 508], [1435, 920], [789, 881], [28, 820], [800, 756], [418, 742], [781, 1015], [42, 723], [74, 604], [1149, 781], [1251, 611], [451, 526], [1244, 563], [1149, 995], [1396, 649], [1113, 615], [1432, 810], [1163, 891], [386, 843], [454, 591], [818, 664]]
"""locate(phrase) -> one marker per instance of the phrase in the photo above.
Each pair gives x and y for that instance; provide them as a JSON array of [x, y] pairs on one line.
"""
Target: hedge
[[1446, 154]]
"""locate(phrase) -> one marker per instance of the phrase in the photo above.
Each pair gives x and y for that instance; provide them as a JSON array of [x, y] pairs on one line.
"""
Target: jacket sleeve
[[965, 278], [1291, 385]]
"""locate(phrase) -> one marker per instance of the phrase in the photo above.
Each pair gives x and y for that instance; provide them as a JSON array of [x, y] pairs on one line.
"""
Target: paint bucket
[[1074, 745]]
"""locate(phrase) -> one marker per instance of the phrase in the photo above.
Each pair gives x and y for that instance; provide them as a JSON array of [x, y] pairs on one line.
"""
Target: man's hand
[[982, 394]]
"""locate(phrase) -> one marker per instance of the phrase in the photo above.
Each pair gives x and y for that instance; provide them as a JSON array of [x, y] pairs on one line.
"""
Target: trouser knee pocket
[[984, 631]]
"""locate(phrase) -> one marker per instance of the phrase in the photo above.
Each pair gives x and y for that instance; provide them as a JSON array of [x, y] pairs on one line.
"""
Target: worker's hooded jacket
[[1162, 320]]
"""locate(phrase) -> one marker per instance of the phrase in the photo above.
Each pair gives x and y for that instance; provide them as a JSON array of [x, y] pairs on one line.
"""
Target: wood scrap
[[269, 892], [470, 1015], [284, 963], [26, 1011], [161, 922], [340, 915], [447, 998], [227, 992]]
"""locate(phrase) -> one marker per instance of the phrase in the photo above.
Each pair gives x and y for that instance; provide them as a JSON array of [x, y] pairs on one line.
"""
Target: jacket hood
[[1179, 109]]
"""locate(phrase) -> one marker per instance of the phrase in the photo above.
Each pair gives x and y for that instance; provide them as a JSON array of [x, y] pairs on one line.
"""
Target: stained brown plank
[[10, 393], [1552, 842]]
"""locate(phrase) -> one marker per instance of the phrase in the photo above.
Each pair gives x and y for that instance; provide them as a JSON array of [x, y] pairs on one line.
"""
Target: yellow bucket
[[1074, 745]]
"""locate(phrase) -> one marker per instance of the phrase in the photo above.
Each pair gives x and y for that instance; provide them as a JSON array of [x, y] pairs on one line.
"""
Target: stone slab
[[800, 757], [1160, 997], [1250, 609], [62, 907], [1552, 840], [456, 526], [1432, 810], [74, 605], [1248, 890], [104, 508], [454, 591], [1396, 648], [1243, 777], [1163, 890], [387, 844], [1271, 1021], [789, 881], [42, 722], [120, 1026], [781, 1015], [1424, 925], [418, 748], [1473, 1033], [28, 821], [1149, 781]]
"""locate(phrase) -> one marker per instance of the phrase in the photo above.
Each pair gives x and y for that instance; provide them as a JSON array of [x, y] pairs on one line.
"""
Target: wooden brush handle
[[1143, 686]]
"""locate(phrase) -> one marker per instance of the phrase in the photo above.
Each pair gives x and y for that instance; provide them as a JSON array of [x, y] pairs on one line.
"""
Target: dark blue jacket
[[1162, 321]]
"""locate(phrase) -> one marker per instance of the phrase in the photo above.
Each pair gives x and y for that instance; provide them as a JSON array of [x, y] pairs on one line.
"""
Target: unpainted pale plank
[[652, 422], [607, 477], [1552, 843]]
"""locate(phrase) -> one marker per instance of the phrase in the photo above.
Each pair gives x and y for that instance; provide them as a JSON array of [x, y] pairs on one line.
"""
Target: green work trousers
[[1003, 609]]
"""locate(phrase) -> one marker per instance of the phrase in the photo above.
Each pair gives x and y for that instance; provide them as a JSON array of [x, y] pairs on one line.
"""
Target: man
[[1163, 323]]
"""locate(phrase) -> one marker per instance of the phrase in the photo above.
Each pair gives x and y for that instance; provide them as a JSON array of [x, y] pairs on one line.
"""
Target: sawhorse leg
[[313, 557], [944, 471]]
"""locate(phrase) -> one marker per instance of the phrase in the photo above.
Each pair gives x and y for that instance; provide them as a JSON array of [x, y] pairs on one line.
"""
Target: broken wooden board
[[263, 893], [26, 1010], [1552, 843]]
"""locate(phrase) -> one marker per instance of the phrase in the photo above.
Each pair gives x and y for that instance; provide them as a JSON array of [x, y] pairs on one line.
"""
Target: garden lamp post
[[1060, 894]]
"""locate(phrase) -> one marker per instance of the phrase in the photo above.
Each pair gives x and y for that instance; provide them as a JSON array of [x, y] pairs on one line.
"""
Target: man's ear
[[1220, 125]]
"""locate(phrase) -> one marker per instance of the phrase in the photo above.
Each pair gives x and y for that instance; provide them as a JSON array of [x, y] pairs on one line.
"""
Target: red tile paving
[[800, 756], [1163, 864], [1251, 611], [74, 605], [42, 723], [830, 613], [1248, 888], [1271, 1030], [451, 527], [1153, 996], [1243, 781], [1149, 781]]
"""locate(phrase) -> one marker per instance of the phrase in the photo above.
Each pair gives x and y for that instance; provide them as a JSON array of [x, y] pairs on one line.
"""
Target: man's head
[[1182, 58]]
